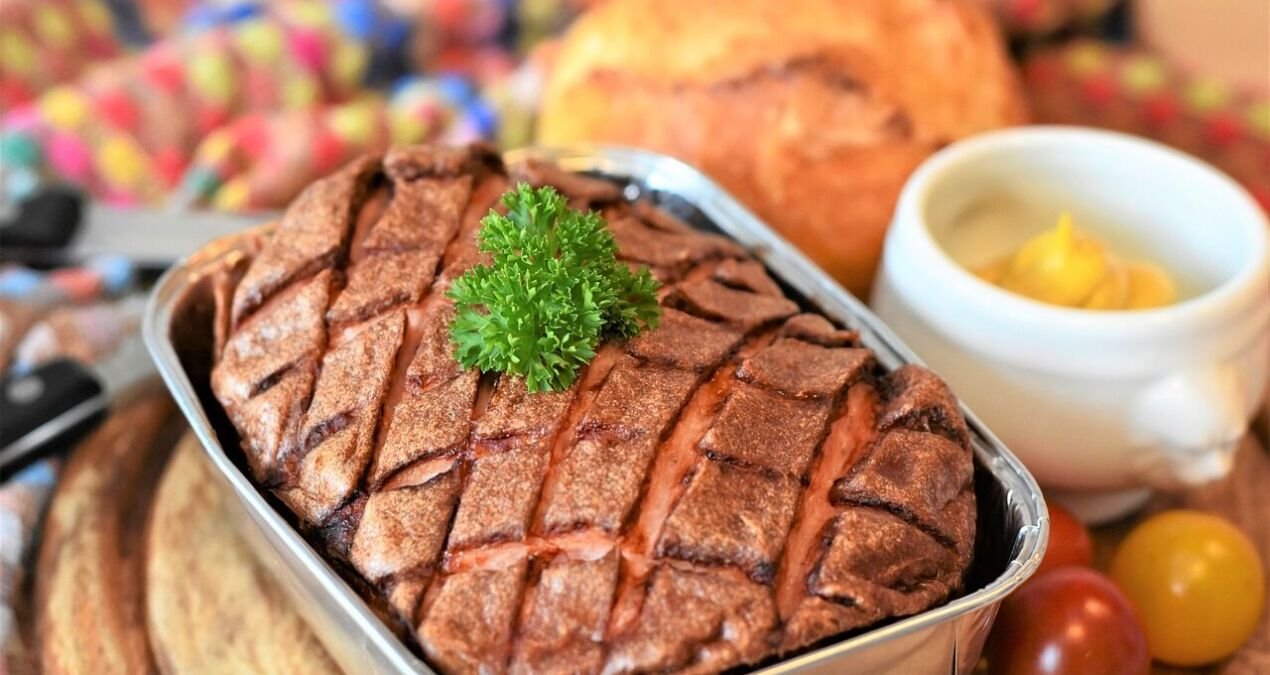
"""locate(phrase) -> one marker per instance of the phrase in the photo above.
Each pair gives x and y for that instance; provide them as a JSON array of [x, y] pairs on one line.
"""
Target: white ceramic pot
[[1102, 406]]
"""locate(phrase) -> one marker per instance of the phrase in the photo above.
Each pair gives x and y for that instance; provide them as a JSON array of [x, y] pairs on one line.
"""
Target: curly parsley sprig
[[555, 290]]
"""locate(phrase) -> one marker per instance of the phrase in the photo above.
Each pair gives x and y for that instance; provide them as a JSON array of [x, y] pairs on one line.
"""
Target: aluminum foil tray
[[1012, 522]]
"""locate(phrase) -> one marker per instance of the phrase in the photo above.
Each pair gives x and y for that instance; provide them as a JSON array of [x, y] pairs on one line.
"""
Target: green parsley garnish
[[555, 290]]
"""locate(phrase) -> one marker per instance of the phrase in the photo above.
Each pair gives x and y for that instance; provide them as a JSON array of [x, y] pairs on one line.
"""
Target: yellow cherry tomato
[[1197, 583]]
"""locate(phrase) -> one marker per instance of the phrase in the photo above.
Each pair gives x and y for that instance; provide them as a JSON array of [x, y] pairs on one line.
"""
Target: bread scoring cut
[[739, 483]]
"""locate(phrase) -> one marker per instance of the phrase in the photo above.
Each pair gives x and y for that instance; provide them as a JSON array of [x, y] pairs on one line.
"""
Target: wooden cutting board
[[210, 608]]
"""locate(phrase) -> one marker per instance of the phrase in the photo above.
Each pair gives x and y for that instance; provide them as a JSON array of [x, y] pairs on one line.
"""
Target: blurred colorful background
[[235, 106]]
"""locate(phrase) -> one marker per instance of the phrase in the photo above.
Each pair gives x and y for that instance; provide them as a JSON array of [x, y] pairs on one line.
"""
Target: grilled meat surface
[[739, 483]]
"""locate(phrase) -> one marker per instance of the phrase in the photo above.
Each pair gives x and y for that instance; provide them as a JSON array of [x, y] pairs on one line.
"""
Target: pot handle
[[1188, 426]]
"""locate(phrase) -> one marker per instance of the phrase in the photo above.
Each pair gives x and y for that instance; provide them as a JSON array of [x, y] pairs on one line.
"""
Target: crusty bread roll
[[812, 112]]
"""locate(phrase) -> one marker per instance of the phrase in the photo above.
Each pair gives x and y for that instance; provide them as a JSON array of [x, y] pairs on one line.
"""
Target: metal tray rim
[[1020, 488], [155, 324]]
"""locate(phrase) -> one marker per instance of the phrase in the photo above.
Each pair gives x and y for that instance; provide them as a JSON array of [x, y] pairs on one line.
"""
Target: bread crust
[[813, 114], [737, 483]]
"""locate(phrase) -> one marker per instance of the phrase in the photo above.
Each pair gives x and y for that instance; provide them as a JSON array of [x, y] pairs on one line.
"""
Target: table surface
[[208, 606]]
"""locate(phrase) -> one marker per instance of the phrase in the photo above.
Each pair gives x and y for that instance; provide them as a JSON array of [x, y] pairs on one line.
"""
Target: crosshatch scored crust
[[742, 482]]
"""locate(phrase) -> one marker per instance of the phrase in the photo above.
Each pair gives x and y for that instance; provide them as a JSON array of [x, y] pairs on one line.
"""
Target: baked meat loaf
[[739, 483]]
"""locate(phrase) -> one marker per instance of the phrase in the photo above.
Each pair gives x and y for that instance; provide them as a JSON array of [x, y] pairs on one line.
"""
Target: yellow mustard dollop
[[1067, 267]]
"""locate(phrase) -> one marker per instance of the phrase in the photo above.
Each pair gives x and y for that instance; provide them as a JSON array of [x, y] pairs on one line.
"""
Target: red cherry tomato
[[1070, 545], [1071, 620]]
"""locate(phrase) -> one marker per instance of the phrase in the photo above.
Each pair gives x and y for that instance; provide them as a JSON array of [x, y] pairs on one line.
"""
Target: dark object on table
[[49, 219], [49, 409], [57, 226]]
